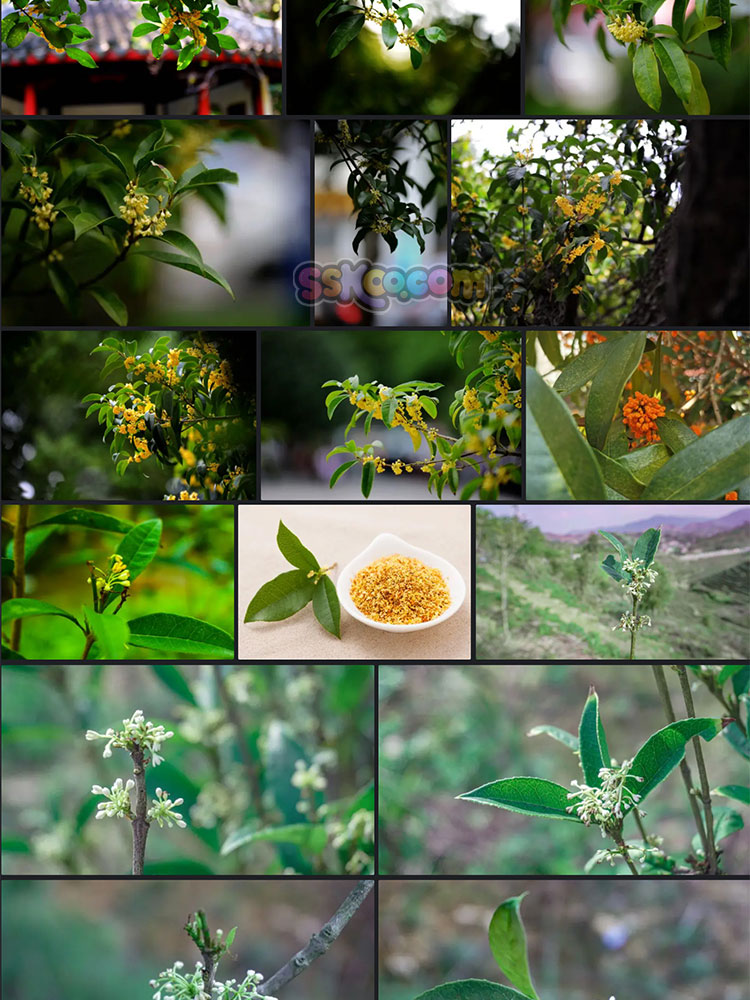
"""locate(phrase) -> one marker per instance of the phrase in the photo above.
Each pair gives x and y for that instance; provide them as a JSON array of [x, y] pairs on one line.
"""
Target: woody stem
[[705, 787]]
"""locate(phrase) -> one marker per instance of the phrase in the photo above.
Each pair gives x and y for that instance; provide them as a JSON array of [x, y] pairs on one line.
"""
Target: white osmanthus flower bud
[[171, 984], [607, 805], [162, 810], [641, 578], [117, 804], [136, 733]]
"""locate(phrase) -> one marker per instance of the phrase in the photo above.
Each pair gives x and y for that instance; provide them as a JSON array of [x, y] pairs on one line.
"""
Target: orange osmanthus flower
[[639, 416]]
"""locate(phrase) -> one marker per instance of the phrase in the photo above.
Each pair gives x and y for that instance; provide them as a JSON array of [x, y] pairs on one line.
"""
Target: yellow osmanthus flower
[[627, 29], [134, 210], [43, 211]]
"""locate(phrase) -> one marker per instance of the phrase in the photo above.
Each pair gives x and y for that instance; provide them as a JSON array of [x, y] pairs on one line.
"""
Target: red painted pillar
[[29, 100], [204, 100]]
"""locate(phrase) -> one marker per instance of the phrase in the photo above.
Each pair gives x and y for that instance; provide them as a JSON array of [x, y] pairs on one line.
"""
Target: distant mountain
[[674, 525], [671, 525]]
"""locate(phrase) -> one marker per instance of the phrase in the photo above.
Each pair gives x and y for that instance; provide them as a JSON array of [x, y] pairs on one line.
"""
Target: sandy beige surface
[[337, 533]]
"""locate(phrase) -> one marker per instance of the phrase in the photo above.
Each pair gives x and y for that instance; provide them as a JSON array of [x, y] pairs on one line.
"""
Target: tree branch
[[319, 943], [139, 822]]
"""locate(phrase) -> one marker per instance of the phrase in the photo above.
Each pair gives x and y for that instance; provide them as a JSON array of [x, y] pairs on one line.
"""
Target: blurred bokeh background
[[587, 940], [335, 230], [477, 71], [577, 78], [296, 434], [238, 732], [192, 573], [255, 236], [88, 940], [51, 450], [447, 730]]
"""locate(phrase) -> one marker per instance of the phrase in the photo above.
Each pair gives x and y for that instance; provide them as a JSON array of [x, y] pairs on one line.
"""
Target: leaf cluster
[[652, 763], [394, 18], [663, 49], [292, 591], [90, 173], [108, 635], [377, 155]]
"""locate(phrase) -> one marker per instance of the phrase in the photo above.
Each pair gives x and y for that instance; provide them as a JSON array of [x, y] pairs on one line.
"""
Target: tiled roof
[[111, 22]]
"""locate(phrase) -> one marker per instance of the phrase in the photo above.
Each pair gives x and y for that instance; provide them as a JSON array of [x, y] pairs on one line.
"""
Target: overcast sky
[[561, 518]]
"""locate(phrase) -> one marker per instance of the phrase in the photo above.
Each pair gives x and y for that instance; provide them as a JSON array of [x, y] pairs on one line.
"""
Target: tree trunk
[[706, 274]]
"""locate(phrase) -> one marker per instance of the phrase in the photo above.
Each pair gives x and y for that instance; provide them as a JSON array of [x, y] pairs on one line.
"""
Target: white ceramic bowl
[[389, 545]]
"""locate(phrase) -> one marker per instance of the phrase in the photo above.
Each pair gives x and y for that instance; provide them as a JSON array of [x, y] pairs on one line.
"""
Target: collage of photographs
[[375, 598]]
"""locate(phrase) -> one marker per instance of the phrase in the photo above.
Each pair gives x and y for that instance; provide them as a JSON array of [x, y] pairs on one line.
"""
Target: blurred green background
[[575, 78], [477, 71], [447, 730], [76, 940], [296, 434], [638, 940], [192, 573], [51, 451], [222, 717]]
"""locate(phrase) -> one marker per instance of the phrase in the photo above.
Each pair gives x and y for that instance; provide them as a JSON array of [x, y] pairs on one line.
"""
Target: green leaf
[[28, 607], [180, 633], [544, 481], [646, 75], [550, 343], [98, 146], [726, 822], [326, 606], [675, 433], [293, 550], [508, 945], [678, 15], [739, 792], [706, 469], [142, 29], [140, 545], [663, 751], [281, 597], [308, 836], [7, 566], [702, 26], [593, 741], [187, 55], [184, 244], [172, 678], [89, 519], [111, 636], [647, 545], [675, 65], [343, 34], [338, 473], [368, 477], [737, 740], [613, 568], [227, 42], [699, 103], [84, 222], [561, 735], [390, 34], [185, 264], [583, 368], [720, 39], [567, 446], [111, 303], [471, 989], [202, 177], [416, 60], [530, 796], [649, 8], [615, 541], [81, 56], [607, 385]]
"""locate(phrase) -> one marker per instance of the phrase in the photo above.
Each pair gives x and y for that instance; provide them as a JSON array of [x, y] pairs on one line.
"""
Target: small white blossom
[[641, 578], [137, 734], [162, 810], [118, 799], [171, 984], [605, 806]]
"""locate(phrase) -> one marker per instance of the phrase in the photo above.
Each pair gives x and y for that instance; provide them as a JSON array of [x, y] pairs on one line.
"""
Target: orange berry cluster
[[639, 416]]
